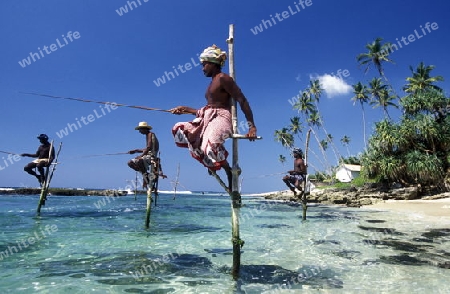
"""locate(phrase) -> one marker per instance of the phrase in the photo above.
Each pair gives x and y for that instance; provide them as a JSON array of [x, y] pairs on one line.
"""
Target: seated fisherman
[[298, 174], [44, 159], [141, 163]]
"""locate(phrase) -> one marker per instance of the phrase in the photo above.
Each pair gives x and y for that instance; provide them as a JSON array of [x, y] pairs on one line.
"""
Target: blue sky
[[117, 58]]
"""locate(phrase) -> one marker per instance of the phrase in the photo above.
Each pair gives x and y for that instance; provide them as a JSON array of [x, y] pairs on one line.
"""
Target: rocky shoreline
[[357, 197]]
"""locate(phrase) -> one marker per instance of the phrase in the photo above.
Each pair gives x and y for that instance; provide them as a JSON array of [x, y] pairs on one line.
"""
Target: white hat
[[143, 125]]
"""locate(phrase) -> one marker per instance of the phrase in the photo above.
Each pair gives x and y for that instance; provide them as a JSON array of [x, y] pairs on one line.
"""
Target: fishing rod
[[106, 154], [93, 101], [267, 175], [6, 152]]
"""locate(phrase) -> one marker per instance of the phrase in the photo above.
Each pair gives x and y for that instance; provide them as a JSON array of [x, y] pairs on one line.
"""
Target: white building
[[347, 172]]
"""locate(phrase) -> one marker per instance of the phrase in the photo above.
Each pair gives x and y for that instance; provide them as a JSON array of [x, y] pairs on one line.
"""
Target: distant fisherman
[[298, 174], [44, 159], [149, 154]]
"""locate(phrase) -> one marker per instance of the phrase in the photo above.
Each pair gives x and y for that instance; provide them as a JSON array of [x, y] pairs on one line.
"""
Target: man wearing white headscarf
[[206, 134]]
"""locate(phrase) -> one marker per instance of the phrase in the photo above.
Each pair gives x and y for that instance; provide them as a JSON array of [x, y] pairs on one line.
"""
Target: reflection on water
[[188, 248]]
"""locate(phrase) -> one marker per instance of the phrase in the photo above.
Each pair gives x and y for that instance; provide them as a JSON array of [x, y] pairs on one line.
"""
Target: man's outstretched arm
[[183, 110], [32, 155]]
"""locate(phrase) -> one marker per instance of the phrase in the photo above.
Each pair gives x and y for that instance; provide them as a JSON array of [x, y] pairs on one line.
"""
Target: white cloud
[[333, 85]]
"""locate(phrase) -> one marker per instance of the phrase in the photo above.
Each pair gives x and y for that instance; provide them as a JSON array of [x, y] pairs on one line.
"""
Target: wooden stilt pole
[[305, 182], [48, 178], [156, 171], [150, 179], [235, 195], [149, 207], [135, 186]]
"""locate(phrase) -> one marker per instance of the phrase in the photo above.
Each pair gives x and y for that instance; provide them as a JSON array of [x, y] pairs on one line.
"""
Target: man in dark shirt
[[44, 156], [298, 174]]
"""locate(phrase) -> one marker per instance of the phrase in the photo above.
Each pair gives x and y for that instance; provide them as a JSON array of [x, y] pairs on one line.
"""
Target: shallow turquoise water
[[99, 245]]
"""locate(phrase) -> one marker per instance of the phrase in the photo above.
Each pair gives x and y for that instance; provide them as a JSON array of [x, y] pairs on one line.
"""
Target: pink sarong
[[205, 135]]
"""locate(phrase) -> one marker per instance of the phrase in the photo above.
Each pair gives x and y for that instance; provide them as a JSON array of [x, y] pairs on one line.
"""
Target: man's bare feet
[[293, 190]]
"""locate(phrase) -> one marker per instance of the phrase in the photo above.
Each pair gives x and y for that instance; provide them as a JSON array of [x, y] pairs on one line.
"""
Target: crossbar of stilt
[[240, 136]]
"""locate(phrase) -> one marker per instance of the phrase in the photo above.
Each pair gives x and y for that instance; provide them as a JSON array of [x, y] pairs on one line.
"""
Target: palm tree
[[382, 95], [345, 141], [376, 55], [362, 95], [282, 159], [337, 155], [324, 144], [305, 104], [417, 149], [421, 79], [314, 119], [284, 137], [315, 89], [296, 127]]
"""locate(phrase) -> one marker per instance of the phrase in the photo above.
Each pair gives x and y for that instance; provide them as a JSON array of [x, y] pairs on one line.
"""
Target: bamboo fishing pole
[[106, 154], [93, 101], [6, 152]]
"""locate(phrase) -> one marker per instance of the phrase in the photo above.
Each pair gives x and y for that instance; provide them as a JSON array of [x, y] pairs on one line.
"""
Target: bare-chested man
[[149, 153], [298, 174], [44, 159], [205, 135]]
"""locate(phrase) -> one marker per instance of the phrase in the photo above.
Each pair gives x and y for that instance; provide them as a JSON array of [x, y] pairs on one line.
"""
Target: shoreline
[[434, 206]]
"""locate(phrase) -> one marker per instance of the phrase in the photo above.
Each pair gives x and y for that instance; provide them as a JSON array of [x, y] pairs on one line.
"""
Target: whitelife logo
[[53, 47]]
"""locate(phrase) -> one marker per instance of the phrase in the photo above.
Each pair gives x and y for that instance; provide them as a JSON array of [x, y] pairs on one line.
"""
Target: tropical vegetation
[[415, 150]]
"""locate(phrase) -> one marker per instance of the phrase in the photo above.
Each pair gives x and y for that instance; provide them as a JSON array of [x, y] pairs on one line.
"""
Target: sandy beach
[[433, 209], [439, 208]]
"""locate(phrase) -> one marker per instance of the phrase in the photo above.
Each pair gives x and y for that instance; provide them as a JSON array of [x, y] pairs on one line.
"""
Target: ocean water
[[99, 245]]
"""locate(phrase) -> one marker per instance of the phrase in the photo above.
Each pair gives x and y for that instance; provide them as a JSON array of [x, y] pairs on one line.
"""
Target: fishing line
[[96, 155]]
